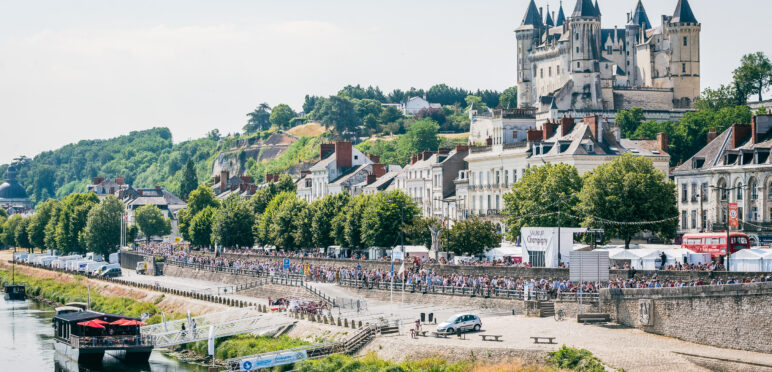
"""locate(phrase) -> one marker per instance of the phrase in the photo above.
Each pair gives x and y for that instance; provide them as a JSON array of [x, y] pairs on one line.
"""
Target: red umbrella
[[100, 321], [91, 324], [133, 323], [120, 322]]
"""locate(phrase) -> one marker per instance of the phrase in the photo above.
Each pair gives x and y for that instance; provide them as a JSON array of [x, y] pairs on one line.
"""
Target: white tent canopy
[[651, 258], [504, 252], [751, 260]]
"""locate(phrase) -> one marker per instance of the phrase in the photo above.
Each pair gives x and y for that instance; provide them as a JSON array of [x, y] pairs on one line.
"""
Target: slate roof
[[11, 189], [549, 22], [711, 154], [561, 16], [609, 32], [351, 174], [683, 13], [585, 8], [640, 17], [532, 16]]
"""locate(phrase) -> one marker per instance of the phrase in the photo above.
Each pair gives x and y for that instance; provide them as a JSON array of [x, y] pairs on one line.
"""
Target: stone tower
[[684, 33], [638, 23], [528, 35], [585, 47]]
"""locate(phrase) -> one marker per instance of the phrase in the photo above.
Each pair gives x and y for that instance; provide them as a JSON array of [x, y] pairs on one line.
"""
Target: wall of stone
[[646, 99], [207, 275], [732, 316]]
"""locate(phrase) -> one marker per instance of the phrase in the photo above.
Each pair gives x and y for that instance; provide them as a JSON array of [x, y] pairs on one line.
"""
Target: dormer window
[[697, 163]]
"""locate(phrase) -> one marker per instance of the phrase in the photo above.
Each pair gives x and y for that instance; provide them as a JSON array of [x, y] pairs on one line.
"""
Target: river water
[[27, 344]]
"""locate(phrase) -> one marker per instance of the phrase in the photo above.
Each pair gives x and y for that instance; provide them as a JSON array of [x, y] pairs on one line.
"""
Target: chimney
[[252, 189], [268, 177], [112, 190], [233, 187], [443, 151], [98, 180], [224, 176], [548, 128], [740, 134], [533, 135], [754, 128], [594, 123], [305, 172], [246, 179], [139, 192], [413, 159], [326, 149], [379, 169], [242, 186], [157, 187], [371, 178], [119, 181], [566, 124], [427, 154], [216, 179], [460, 148], [662, 142], [712, 134], [343, 154], [374, 158]]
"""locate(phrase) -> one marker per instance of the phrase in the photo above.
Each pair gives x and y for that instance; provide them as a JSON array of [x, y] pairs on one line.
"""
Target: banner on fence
[[267, 361]]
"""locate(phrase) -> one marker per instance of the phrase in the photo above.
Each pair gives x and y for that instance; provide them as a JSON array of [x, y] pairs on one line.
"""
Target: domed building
[[13, 197]]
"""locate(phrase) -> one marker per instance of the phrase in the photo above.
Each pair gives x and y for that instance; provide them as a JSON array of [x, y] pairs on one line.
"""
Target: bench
[[538, 340], [494, 337], [593, 318], [440, 334], [421, 333]]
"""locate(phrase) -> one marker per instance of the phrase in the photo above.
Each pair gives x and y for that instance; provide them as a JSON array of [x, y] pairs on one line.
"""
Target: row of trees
[[628, 189], [276, 216], [80, 223]]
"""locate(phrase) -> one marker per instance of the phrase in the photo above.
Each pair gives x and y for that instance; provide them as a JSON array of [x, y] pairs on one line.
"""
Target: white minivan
[[460, 322]]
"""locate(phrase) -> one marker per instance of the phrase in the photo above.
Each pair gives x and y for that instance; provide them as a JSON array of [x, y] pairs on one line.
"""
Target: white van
[[47, 260], [20, 256], [93, 265], [94, 257], [113, 258], [103, 268]]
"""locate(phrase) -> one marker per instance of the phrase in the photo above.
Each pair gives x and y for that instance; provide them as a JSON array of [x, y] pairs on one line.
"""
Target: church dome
[[12, 190]]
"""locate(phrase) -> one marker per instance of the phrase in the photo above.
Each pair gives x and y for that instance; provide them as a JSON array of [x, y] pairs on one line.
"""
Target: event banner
[[733, 215], [267, 361]]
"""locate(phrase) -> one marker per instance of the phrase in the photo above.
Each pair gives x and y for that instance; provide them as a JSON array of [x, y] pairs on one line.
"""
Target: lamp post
[[727, 191], [561, 199]]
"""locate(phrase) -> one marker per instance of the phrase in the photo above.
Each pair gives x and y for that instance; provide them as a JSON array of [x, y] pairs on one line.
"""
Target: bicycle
[[559, 315]]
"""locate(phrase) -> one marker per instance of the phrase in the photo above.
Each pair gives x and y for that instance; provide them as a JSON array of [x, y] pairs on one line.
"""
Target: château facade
[[573, 64]]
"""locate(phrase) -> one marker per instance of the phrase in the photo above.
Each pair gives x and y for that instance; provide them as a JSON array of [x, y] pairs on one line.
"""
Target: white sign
[[268, 361], [396, 254], [592, 266], [545, 239]]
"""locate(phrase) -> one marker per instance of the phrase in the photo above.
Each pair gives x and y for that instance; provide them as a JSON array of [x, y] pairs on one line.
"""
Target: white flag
[[211, 340], [402, 268]]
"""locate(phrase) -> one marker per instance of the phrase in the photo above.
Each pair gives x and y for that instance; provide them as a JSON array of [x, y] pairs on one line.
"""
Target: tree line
[[276, 216], [80, 223]]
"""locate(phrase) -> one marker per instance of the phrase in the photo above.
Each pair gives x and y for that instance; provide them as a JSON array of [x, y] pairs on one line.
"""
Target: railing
[[87, 342], [476, 150], [253, 324], [515, 145]]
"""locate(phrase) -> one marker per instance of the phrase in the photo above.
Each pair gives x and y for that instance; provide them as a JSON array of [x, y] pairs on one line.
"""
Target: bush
[[575, 359], [242, 345]]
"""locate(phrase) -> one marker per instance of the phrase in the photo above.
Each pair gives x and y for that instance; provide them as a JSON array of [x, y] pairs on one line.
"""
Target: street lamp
[[561, 199], [702, 214], [727, 190]]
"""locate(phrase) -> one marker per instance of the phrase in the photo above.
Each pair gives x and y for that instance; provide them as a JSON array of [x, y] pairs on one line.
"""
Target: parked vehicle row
[[90, 264]]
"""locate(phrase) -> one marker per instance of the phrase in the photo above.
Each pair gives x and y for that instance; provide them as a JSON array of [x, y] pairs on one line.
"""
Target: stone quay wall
[[735, 316]]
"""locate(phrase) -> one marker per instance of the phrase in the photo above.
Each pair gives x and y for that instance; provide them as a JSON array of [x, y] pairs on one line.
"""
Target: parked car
[[111, 272], [460, 322], [102, 269]]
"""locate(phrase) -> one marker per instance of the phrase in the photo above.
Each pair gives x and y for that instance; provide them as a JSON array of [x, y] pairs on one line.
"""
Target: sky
[[73, 70]]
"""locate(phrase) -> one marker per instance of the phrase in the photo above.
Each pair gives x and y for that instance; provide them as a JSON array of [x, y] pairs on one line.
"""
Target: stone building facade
[[576, 64]]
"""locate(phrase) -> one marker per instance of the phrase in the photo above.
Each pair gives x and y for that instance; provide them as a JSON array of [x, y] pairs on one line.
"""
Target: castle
[[570, 65]]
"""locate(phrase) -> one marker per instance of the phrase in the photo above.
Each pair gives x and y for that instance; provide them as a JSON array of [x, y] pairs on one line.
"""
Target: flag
[[211, 341], [401, 268]]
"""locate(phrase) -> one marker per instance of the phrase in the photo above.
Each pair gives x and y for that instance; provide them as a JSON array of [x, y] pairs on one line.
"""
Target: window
[[704, 192], [628, 63], [683, 221], [577, 50], [754, 214], [694, 192], [740, 192], [684, 192], [578, 65], [609, 50], [694, 219], [541, 73], [703, 220], [549, 71], [577, 37], [686, 41], [754, 191], [683, 67], [557, 70]]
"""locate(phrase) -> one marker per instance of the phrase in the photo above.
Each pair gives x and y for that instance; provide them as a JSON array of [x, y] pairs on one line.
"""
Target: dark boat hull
[[134, 356], [88, 356], [15, 293]]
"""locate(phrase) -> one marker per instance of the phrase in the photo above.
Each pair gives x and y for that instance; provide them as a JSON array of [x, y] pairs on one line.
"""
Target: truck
[[142, 268]]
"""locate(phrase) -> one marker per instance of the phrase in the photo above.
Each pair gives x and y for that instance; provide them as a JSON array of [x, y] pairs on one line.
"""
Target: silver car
[[460, 322]]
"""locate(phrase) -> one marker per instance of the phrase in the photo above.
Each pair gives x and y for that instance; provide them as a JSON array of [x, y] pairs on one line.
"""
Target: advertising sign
[[286, 263], [589, 266], [268, 361], [734, 220]]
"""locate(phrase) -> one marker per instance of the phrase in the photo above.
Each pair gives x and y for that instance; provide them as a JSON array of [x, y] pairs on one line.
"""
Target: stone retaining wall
[[733, 316]]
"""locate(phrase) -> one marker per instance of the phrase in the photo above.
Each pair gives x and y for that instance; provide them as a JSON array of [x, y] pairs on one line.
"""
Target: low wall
[[735, 316]]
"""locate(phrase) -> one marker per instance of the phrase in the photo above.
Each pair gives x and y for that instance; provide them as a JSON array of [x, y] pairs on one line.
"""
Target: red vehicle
[[715, 243]]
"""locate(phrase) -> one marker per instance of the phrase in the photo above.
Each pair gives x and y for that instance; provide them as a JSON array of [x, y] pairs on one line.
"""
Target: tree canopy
[[102, 233], [151, 221], [233, 223], [754, 76], [472, 237]]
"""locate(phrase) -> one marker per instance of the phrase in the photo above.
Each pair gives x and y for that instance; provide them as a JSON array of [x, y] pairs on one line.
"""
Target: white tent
[[419, 251], [504, 252], [751, 260]]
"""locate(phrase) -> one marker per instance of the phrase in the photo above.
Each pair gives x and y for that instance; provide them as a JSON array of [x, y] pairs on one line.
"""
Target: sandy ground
[[312, 129]]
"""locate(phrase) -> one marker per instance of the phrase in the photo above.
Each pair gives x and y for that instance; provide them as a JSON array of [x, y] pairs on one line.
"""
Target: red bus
[[715, 243]]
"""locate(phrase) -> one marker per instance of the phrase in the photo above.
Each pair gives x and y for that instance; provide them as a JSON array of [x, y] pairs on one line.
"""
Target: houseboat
[[15, 292], [85, 336]]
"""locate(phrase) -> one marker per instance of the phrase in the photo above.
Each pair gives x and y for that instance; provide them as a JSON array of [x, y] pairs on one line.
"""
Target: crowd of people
[[415, 274]]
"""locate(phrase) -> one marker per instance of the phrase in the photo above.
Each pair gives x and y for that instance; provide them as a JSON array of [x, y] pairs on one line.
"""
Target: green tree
[[473, 237], [201, 198], [72, 219], [385, 217], [475, 103], [629, 189], [535, 197], [716, 99], [418, 232], [103, 226], [286, 184], [9, 230], [3, 213], [508, 98], [262, 227], [200, 230], [421, 136], [49, 232], [281, 115], [131, 233], [38, 222], [367, 107], [259, 119], [754, 75], [262, 198], [324, 214], [189, 180], [44, 184], [302, 227], [151, 221], [338, 113], [390, 114], [21, 236], [284, 224], [233, 223], [353, 224], [629, 120]]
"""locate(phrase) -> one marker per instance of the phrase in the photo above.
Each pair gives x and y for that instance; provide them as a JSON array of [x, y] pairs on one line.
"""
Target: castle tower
[[639, 21], [528, 35], [561, 16], [684, 34], [584, 28]]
